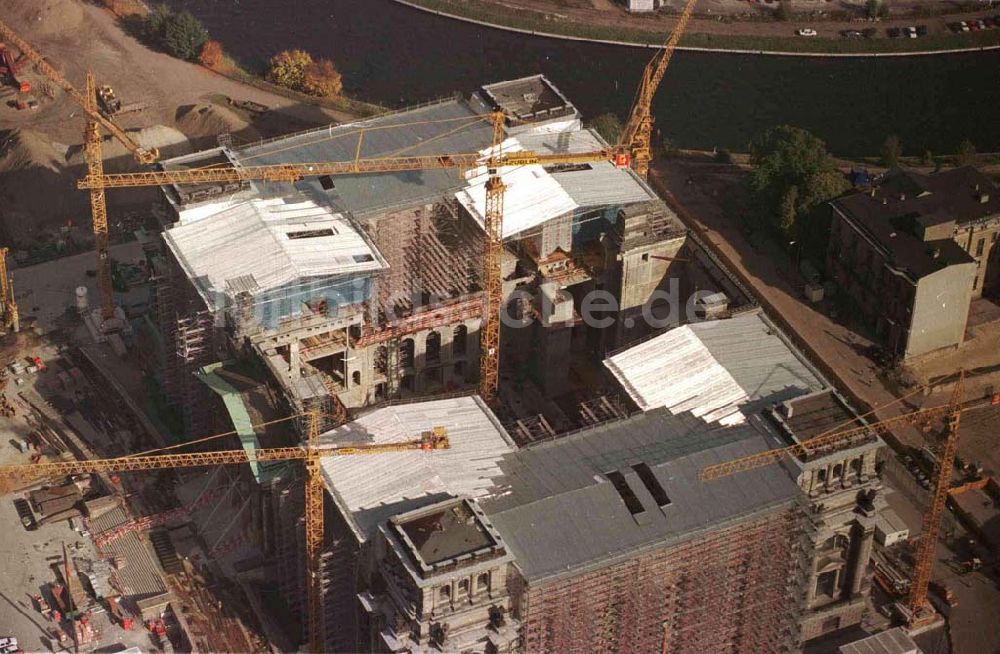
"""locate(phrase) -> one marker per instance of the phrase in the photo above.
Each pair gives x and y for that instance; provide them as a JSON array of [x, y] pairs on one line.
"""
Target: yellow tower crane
[[633, 146], [7, 302], [95, 158], [917, 603], [638, 131], [311, 454]]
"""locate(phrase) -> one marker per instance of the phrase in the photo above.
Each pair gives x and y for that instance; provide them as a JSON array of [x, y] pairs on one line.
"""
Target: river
[[395, 55]]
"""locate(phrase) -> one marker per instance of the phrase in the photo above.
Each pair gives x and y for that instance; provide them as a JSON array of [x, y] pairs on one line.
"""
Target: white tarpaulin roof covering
[[533, 196], [713, 368], [374, 488], [273, 242]]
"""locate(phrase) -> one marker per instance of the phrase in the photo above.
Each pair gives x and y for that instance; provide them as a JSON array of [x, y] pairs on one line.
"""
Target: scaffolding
[[735, 590]]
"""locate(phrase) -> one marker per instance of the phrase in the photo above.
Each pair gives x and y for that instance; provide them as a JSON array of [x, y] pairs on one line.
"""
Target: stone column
[[866, 534]]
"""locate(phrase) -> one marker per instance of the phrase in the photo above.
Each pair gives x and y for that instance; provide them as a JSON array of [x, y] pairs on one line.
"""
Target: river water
[[397, 56]]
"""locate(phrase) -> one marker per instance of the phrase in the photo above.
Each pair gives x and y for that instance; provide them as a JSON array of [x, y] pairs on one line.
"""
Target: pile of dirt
[[45, 17], [37, 188], [203, 122], [23, 148]]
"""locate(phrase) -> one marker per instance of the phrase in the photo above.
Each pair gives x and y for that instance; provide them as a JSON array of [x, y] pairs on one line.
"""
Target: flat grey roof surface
[[893, 641], [559, 514], [446, 533], [447, 128]]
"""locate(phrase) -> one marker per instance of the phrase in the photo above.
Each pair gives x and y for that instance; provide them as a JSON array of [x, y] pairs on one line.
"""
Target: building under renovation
[[568, 517]]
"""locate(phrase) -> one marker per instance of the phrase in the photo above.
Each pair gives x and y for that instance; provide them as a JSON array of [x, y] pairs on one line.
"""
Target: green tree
[[892, 149], [155, 23], [609, 126], [184, 35], [877, 9], [966, 155], [784, 10], [288, 68], [793, 178]]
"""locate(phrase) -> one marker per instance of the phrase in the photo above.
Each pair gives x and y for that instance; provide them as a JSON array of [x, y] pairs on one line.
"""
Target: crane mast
[[931, 524], [638, 131], [98, 203]]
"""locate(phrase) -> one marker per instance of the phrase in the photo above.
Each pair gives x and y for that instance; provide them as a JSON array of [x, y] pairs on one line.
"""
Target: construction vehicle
[[248, 105], [310, 454], [9, 69], [112, 105], [917, 610]]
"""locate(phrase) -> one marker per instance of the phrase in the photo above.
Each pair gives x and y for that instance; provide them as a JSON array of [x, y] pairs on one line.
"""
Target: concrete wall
[[940, 310]]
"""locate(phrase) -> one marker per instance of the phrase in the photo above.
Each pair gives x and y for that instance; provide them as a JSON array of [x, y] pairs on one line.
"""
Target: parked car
[[806, 31], [921, 30], [852, 34]]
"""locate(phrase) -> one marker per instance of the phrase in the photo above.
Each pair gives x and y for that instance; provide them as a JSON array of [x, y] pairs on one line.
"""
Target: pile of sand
[[24, 148], [37, 185], [38, 179], [43, 17], [202, 123]]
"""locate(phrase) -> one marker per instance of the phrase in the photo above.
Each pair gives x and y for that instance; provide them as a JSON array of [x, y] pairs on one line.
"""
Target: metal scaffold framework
[[697, 596]]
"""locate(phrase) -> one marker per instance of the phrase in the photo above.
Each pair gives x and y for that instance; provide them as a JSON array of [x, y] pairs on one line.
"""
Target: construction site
[[452, 378]]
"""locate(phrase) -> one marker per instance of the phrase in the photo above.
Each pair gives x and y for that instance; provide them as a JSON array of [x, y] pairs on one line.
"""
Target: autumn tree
[[288, 68], [322, 79], [211, 54]]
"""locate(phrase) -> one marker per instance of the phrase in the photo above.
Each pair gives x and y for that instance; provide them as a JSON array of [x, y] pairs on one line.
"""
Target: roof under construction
[[536, 194], [603, 494], [370, 490], [261, 245], [717, 369]]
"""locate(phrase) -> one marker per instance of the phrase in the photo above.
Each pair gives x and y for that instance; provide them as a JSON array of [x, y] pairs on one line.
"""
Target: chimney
[[902, 197], [935, 253], [885, 200], [984, 198]]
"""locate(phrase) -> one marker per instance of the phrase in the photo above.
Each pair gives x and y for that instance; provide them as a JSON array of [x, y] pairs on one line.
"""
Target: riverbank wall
[[416, 4]]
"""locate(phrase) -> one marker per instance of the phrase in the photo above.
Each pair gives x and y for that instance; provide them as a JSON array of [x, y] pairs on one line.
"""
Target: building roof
[[715, 369], [896, 212], [529, 99], [818, 413], [371, 489], [446, 127], [893, 641], [260, 245], [560, 511], [536, 194]]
